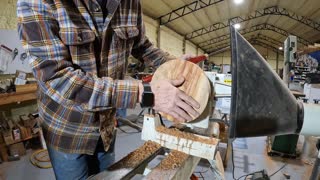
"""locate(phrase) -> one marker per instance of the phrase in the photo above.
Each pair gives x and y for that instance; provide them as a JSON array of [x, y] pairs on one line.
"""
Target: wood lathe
[[185, 149], [261, 105]]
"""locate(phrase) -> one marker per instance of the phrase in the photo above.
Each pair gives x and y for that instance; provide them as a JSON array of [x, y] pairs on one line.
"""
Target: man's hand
[[171, 100]]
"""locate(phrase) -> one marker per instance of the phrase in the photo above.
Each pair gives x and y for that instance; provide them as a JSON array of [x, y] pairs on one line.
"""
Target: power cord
[[246, 175], [278, 170]]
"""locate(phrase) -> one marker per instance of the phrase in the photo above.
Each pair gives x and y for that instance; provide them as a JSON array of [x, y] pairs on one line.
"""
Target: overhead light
[[238, 1], [280, 48], [237, 26]]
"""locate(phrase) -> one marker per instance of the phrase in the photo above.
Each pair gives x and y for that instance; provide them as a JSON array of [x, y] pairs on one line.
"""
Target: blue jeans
[[121, 113], [68, 166]]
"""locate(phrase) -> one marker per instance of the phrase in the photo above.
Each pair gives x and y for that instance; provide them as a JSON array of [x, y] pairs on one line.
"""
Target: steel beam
[[260, 37], [265, 45], [274, 10], [187, 9], [253, 41], [255, 28], [206, 30], [270, 40]]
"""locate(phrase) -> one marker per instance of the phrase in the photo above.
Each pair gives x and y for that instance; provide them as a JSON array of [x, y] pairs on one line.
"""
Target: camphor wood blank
[[196, 82]]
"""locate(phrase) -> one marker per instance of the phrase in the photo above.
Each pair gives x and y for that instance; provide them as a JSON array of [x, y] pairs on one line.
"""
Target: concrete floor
[[249, 156]]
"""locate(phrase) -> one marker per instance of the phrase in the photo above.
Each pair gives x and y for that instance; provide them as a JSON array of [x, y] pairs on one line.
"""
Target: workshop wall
[[9, 35], [270, 56], [151, 29], [191, 48], [14, 111], [8, 17], [10, 39], [221, 58], [200, 51], [171, 42]]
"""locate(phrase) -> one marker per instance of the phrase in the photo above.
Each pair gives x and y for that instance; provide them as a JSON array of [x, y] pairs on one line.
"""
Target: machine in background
[[261, 104]]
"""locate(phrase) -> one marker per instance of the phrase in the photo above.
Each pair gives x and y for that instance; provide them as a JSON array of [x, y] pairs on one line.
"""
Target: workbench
[[18, 97]]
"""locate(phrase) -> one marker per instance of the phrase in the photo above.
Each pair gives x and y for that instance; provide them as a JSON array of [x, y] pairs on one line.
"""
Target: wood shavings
[[185, 135], [134, 158], [174, 160]]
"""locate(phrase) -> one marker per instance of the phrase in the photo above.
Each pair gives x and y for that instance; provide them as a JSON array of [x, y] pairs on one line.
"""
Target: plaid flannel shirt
[[79, 60]]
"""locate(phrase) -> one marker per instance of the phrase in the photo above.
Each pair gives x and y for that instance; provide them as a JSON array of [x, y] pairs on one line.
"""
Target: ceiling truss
[[254, 41], [265, 45], [274, 10], [269, 39], [187, 9], [260, 37], [255, 28]]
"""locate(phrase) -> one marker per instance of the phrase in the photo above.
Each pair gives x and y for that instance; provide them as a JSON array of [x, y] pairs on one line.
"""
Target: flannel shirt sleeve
[[52, 65], [144, 50]]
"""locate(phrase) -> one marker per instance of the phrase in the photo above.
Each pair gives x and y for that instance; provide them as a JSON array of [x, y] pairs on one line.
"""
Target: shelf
[[22, 140], [8, 98]]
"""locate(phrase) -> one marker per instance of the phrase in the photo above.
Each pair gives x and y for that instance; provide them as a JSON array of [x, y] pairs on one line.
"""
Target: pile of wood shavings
[[177, 133], [134, 158], [173, 160]]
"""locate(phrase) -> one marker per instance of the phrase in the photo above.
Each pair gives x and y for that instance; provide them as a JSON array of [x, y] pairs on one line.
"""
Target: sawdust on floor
[[136, 157], [177, 133], [174, 160]]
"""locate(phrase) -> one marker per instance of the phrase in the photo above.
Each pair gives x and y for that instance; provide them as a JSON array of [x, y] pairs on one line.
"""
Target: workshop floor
[[250, 155]]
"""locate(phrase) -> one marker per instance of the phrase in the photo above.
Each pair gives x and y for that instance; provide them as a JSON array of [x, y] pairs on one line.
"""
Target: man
[[77, 51]]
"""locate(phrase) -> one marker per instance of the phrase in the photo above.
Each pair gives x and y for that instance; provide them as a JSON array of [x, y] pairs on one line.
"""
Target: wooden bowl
[[196, 82]]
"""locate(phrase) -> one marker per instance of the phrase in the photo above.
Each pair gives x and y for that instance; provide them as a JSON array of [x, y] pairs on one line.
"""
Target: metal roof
[[206, 22]]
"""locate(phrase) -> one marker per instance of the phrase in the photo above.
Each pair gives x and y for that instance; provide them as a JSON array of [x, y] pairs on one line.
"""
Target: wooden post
[[184, 45], [277, 62], [158, 34]]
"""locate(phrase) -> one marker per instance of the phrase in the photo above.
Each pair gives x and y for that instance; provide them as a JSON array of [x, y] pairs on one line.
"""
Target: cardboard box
[[21, 75], [16, 134], [27, 121], [25, 132], [17, 149], [7, 136]]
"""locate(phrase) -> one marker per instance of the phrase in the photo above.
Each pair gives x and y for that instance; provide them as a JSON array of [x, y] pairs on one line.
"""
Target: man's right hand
[[171, 100]]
